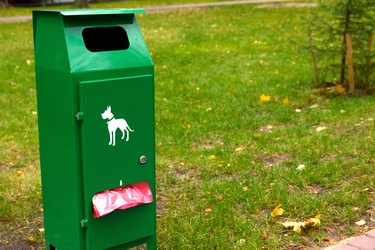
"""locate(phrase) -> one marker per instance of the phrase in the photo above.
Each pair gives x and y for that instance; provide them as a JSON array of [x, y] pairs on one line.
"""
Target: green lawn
[[24, 11], [116, 4], [224, 158]]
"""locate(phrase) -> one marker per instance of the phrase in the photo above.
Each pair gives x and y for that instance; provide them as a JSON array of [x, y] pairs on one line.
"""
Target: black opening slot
[[105, 38]]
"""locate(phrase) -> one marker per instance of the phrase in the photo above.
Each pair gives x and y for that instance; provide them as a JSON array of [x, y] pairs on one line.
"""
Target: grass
[[13, 11], [24, 11], [224, 158]]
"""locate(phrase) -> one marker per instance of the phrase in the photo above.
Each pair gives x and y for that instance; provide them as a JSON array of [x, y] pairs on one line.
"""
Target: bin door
[[117, 143]]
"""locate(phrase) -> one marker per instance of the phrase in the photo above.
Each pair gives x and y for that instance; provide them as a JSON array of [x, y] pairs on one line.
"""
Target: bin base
[[148, 242]]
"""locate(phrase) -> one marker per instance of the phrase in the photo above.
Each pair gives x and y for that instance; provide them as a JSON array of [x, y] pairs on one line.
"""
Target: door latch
[[79, 116], [84, 223]]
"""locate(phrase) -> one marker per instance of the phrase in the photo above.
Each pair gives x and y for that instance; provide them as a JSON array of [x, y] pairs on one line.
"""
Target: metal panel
[[117, 129]]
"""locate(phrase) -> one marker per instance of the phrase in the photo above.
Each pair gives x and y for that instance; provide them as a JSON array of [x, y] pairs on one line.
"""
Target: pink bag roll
[[121, 198]]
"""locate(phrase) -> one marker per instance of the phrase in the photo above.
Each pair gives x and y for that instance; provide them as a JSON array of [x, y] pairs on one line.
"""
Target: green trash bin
[[95, 96]]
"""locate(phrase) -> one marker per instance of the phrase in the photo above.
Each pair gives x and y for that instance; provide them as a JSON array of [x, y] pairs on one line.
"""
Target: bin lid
[[90, 12]]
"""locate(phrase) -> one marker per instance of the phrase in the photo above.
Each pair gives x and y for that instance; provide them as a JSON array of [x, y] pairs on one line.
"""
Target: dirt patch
[[314, 189], [186, 174], [208, 144], [275, 160], [19, 244], [27, 236], [204, 146]]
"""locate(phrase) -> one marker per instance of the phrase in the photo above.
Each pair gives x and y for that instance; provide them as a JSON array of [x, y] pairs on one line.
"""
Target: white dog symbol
[[114, 124]]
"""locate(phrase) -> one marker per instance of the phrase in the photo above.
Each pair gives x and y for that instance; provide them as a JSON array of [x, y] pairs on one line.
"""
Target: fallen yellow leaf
[[31, 239], [238, 149], [277, 211], [301, 167], [257, 135], [208, 209], [360, 223], [297, 226], [20, 173], [286, 101], [314, 221], [211, 157], [265, 98], [320, 128], [340, 89]]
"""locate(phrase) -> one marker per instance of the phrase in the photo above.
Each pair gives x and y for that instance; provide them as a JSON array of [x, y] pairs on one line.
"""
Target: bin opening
[[105, 38], [121, 198]]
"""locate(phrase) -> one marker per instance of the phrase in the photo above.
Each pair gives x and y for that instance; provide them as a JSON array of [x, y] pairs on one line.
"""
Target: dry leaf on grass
[[265, 98], [257, 135], [360, 223], [320, 128], [314, 222], [298, 226], [238, 149], [340, 89], [314, 106], [212, 157], [301, 167], [277, 211], [31, 239], [20, 173]]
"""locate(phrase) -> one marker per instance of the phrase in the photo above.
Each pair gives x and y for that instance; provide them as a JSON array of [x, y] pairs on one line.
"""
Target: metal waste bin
[[95, 97]]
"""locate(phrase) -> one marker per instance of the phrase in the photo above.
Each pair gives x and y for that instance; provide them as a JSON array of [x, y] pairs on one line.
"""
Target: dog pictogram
[[114, 124]]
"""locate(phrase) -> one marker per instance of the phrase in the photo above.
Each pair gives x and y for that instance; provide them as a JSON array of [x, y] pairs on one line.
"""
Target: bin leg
[[50, 246], [151, 244]]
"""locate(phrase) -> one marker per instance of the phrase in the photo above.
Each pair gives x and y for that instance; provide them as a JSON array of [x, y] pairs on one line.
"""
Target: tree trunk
[[313, 57], [349, 50], [343, 54], [81, 3], [4, 4], [368, 59]]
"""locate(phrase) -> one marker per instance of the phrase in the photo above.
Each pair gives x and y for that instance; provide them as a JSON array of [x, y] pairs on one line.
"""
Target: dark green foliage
[[330, 22]]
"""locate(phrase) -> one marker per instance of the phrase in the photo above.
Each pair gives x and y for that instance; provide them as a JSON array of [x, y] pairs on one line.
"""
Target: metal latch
[[84, 223], [79, 116]]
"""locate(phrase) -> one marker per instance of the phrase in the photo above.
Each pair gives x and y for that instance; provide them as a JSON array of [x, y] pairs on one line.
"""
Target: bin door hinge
[[79, 116], [84, 223]]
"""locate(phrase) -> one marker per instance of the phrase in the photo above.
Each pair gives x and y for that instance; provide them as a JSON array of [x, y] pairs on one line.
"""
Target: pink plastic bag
[[121, 198]]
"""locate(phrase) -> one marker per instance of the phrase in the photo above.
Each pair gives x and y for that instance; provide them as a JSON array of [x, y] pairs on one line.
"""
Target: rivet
[[142, 159]]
